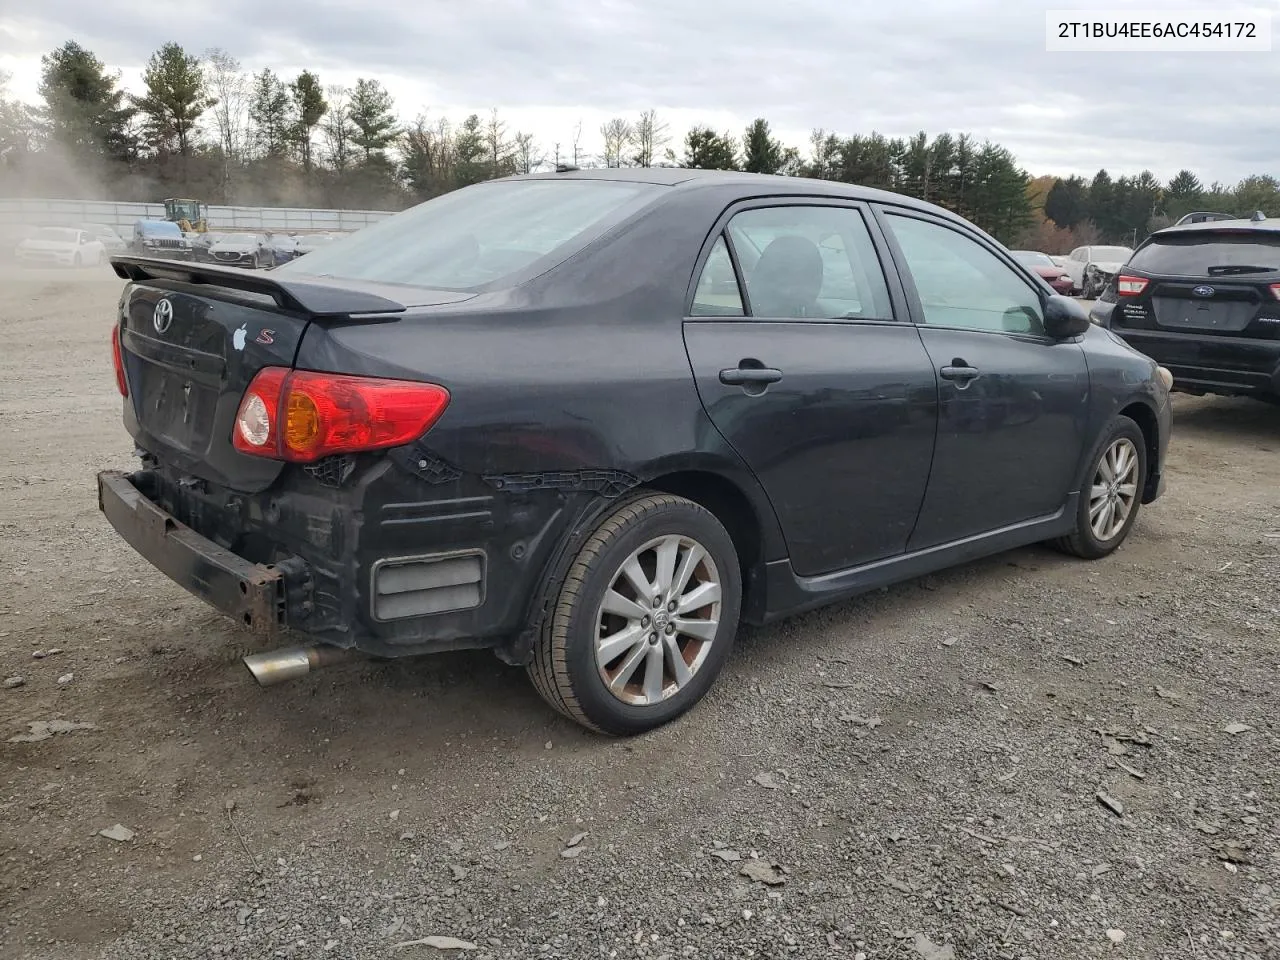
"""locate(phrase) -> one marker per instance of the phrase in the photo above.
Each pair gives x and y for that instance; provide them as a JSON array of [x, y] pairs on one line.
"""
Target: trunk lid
[[192, 338], [188, 359]]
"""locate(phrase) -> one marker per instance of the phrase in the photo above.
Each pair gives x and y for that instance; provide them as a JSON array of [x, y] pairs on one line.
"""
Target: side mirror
[[1064, 318]]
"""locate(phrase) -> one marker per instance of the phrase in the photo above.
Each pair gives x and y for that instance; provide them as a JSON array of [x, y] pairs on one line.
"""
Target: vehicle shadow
[[1227, 418]]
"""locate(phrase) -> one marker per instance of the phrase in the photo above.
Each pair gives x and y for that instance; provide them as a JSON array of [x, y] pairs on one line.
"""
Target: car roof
[[683, 178], [1269, 226]]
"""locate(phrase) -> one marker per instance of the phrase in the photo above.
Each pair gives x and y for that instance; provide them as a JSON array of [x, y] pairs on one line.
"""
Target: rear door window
[[809, 262], [717, 293], [1209, 255]]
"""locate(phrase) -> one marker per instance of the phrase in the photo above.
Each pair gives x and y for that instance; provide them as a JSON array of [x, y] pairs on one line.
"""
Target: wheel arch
[[729, 504], [731, 495], [1141, 413], [737, 500]]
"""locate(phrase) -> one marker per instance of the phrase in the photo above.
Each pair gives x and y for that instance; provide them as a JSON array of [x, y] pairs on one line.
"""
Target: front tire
[[644, 619], [1111, 494]]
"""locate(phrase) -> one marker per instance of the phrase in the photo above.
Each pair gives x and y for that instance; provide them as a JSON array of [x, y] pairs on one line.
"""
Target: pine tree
[[761, 153], [309, 108], [372, 112], [271, 113], [175, 99], [704, 149], [85, 110]]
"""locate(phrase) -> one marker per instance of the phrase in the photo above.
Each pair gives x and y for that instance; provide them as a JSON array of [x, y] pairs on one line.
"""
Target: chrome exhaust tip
[[289, 663]]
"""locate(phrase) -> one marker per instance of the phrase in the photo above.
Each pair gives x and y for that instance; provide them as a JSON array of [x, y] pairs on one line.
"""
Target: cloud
[[977, 66]]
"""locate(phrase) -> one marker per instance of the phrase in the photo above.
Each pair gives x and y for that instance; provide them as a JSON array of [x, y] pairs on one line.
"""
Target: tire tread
[[548, 668]]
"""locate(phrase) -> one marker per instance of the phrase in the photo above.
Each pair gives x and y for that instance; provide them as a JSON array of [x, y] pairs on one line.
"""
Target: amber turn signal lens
[[302, 422]]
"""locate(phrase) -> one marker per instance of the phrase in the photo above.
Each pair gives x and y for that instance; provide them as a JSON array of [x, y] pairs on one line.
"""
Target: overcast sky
[[850, 66]]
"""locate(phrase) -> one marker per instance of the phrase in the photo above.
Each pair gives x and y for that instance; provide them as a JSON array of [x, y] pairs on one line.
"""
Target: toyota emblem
[[163, 317]]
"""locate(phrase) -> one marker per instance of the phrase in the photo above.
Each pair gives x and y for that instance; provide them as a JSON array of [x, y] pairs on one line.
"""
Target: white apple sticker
[[237, 338]]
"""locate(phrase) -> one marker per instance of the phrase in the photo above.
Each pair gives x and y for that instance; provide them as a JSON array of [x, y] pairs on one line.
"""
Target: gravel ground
[[914, 774]]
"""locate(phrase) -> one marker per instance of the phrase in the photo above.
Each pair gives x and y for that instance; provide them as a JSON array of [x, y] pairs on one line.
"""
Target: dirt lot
[[919, 769]]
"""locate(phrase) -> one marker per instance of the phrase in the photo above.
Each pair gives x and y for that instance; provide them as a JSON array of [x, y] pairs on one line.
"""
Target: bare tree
[[618, 135], [337, 129], [229, 84], [577, 140], [427, 157], [527, 155], [499, 148], [649, 136]]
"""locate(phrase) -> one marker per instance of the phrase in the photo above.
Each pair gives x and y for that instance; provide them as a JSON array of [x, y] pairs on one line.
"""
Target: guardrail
[[121, 216]]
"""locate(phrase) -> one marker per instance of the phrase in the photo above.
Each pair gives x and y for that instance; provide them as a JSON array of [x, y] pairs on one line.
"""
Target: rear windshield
[[1199, 254], [480, 236]]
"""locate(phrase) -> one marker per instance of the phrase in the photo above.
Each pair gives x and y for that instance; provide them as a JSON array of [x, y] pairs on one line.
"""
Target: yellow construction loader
[[189, 215]]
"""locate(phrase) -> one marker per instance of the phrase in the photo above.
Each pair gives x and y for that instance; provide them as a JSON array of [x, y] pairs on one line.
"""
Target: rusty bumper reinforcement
[[251, 593]]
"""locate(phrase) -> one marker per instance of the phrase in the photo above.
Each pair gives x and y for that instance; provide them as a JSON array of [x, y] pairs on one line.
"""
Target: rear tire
[[621, 657], [1111, 495]]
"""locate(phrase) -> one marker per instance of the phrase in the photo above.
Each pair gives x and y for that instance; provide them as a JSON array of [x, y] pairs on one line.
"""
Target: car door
[[804, 367], [1013, 403]]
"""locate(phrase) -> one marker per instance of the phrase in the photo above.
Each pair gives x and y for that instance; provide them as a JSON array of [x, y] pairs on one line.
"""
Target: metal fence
[[121, 216]]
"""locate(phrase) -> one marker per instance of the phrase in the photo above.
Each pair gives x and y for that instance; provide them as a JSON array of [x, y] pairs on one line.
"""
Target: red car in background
[[1053, 274]]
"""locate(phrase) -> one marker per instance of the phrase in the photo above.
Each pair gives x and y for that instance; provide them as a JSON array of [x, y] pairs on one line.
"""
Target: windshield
[[481, 235], [155, 228], [61, 234], [1111, 254], [1032, 259], [237, 238], [1201, 254]]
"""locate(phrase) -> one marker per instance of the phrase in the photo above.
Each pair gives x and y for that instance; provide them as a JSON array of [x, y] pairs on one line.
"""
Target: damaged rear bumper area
[[253, 594], [377, 565]]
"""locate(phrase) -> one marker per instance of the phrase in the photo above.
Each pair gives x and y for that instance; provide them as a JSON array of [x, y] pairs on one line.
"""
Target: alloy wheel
[[658, 620], [1114, 490]]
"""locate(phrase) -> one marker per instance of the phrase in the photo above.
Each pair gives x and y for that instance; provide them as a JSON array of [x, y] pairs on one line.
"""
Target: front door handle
[[743, 376], [959, 370]]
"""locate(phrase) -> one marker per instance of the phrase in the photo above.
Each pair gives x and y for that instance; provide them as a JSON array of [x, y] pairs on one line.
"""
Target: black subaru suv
[[1203, 300]]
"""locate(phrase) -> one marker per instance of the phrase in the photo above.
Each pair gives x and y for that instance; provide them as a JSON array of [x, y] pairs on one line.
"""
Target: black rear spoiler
[[305, 296]]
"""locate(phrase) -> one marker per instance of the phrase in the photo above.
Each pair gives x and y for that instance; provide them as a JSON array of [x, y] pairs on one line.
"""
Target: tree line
[[204, 127]]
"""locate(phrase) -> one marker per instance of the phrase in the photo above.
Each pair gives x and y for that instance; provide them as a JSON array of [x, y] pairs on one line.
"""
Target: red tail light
[[118, 360], [1275, 290], [1128, 286], [301, 416]]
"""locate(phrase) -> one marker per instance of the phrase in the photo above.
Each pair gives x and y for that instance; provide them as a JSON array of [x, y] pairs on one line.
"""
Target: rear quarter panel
[[1119, 376]]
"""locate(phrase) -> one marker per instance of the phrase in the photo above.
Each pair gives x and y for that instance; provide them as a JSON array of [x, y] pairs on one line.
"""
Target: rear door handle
[[741, 376], [959, 371]]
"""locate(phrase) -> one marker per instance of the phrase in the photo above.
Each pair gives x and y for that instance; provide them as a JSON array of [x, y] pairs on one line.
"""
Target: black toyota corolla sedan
[[596, 419]]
